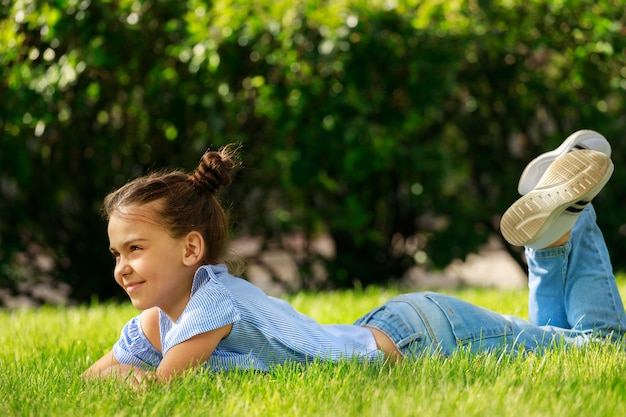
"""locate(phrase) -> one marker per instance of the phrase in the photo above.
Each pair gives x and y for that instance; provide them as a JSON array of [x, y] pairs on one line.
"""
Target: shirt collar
[[204, 274]]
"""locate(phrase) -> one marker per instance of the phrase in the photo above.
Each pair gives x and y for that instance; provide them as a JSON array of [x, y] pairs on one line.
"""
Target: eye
[[134, 248], [115, 255]]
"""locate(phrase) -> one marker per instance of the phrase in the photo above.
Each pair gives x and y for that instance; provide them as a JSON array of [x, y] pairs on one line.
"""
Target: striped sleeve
[[210, 308], [133, 347]]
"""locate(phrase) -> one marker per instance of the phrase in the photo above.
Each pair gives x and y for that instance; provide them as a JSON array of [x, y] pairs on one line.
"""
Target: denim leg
[[592, 300], [573, 286], [477, 329], [572, 294], [430, 323], [547, 270]]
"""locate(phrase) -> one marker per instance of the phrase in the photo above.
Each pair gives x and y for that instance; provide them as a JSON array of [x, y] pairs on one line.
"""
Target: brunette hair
[[186, 202]]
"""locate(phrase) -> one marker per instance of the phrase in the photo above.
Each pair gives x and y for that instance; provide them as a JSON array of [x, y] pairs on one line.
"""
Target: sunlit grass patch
[[44, 351]]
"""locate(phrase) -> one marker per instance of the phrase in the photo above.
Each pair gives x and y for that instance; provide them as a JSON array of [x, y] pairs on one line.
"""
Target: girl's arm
[[101, 365], [190, 354], [186, 355], [108, 366]]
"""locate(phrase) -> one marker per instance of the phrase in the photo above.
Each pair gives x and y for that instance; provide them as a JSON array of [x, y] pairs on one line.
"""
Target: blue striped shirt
[[266, 331]]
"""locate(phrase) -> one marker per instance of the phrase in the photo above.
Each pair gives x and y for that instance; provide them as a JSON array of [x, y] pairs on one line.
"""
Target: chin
[[139, 305]]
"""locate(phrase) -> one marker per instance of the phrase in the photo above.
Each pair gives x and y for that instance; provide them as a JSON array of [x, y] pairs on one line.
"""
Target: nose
[[122, 269]]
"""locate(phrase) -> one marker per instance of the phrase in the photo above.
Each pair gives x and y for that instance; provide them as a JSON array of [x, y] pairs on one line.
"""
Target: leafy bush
[[399, 129]]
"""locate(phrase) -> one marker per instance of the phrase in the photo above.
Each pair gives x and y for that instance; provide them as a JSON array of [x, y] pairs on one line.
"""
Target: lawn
[[45, 350]]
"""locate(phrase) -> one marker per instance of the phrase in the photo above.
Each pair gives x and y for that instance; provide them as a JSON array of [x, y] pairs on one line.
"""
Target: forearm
[[133, 375]]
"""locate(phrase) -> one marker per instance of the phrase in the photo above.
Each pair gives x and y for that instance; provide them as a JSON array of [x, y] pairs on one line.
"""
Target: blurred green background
[[398, 128]]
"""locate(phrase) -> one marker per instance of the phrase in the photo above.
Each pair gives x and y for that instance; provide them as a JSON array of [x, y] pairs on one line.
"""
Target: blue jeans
[[573, 297]]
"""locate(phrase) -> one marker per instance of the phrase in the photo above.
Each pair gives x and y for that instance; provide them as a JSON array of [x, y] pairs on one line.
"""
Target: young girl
[[168, 235]]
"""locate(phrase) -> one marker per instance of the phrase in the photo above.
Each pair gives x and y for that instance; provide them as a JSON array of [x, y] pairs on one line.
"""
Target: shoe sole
[[573, 177], [541, 163]]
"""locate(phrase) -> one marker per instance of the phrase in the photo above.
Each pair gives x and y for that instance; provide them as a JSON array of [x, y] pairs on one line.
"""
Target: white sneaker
[[550, 209], [582, 139]]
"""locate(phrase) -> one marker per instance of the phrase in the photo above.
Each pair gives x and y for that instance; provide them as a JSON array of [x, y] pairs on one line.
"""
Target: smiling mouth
[[133, 287]]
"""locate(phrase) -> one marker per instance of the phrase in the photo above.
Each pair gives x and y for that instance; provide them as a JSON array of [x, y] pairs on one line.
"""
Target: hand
[[131, 374]]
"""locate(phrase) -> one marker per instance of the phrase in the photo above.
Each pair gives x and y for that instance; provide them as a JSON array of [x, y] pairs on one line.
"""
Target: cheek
[[117, 274], [117, 277]]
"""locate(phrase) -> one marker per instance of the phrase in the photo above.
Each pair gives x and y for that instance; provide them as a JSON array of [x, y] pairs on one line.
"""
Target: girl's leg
[[591, 298], [430, 323], [573, 286], [547, 272]]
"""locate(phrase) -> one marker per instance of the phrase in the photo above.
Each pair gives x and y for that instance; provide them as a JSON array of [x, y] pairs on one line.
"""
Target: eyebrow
[[129, 241]]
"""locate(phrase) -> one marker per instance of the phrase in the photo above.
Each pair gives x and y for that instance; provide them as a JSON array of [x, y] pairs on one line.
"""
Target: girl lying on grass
[[168, 234]]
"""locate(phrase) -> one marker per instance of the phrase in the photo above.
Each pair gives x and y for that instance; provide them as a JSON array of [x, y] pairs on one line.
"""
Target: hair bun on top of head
[[214, 170]]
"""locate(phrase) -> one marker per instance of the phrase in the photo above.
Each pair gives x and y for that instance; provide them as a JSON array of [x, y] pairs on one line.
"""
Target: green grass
[[44, 351]]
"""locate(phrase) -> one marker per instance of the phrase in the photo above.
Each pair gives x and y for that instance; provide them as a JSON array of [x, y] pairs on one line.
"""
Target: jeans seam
[[422, 315]]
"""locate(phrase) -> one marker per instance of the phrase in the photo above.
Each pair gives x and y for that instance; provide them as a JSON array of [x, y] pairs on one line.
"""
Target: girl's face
[[149, 264]]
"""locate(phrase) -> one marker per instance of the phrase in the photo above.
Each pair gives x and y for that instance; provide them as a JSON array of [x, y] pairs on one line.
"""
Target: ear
[[193, 248]]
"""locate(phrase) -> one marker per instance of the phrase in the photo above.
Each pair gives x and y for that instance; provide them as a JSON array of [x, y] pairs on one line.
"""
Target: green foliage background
[[400, 128]]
